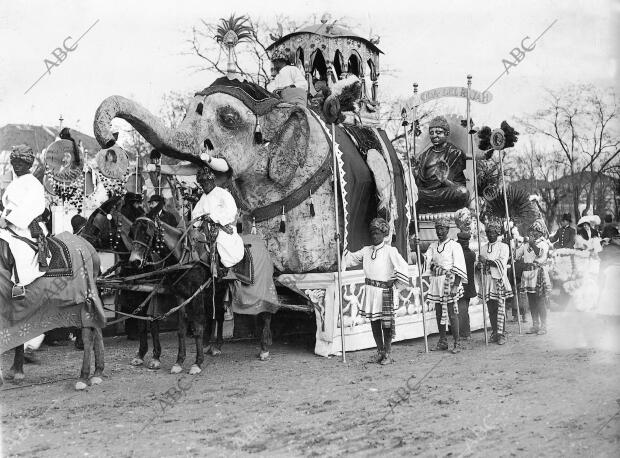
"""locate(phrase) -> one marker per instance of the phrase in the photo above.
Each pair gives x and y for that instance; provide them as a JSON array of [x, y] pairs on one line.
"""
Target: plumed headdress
[[381, 225], [440, 121], [494, 225], [442, 222], [538, 226]]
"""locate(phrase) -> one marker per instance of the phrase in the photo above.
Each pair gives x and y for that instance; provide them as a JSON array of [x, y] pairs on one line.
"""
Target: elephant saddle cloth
[[67, 297]]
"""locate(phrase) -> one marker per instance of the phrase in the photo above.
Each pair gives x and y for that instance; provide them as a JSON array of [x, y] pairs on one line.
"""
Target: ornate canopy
[[329, 51]]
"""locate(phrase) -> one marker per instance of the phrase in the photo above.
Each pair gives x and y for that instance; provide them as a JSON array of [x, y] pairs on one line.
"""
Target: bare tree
[[583, 122]]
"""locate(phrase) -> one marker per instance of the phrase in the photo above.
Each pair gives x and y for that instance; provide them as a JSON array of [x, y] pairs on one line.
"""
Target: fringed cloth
[[379, 303], [535, 280], [446, 294], [496, 290]]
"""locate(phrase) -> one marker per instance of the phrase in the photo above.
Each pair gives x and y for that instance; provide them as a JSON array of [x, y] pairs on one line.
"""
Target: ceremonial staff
[[337, 236], [498, 141], [476, 206], [413, 207]]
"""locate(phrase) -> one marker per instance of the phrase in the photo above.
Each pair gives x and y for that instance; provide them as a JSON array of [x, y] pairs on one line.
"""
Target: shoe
[[456, 349], [501, 339], [542, 331], [387, 359], [533, 330], [442, 345], [493, 337]]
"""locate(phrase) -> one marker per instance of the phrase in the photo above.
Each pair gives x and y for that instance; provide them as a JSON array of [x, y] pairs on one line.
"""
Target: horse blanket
[[259, 295], [54, 300]]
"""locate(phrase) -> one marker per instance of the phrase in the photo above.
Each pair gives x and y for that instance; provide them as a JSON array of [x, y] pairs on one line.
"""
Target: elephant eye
[[228, 117]]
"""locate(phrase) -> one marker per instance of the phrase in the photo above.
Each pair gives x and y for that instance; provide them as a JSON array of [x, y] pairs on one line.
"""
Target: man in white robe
[[445, 264], [23, 201], [219, 205]]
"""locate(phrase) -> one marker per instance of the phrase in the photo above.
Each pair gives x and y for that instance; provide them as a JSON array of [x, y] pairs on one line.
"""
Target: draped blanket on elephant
[[52, 301], [359, 190], [260, 295]]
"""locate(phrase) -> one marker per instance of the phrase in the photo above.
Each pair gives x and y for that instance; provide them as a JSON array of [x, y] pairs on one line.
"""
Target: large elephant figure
[[282, 174]]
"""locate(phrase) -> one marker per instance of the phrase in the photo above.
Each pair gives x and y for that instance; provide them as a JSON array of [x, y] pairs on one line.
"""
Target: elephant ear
[[289, 147]]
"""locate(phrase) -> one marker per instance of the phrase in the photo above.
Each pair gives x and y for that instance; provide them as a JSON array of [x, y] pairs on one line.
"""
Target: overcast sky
[[137, 49]]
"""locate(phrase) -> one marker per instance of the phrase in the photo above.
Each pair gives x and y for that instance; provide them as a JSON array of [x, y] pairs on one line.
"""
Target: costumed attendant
[[289, 82], [384, 268], [24, 202], [493, 265], [535, 281], [445, 263], [565, 235]]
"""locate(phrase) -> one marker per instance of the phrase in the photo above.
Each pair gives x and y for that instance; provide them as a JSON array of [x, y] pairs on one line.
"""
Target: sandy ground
[[553, 395]]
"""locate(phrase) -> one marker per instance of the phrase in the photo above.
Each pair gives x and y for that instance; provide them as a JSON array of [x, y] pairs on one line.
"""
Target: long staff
[[337, 236], [473, 156], [415, 212], [510, 247]]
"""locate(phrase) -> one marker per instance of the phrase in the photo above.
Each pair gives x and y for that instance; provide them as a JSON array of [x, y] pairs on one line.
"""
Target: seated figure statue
[[440, 178]]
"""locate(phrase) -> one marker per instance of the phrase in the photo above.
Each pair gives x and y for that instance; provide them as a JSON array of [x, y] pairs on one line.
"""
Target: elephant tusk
[[216, 163]]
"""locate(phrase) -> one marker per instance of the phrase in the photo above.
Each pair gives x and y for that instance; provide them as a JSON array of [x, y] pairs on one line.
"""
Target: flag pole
[[413, 207], [471, 154], [337, 236]]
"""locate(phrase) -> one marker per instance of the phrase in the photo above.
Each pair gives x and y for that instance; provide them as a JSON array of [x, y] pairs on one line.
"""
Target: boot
[[542, 330], [501, 339], [442, 344], [387, 343], [378, 336]]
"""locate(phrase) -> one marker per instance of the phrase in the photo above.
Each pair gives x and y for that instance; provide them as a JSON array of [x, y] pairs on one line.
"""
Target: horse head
[[107, 228], [143, 235]]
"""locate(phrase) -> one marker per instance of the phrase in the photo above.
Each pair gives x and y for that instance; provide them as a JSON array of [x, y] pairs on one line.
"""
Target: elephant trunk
[[169, 142]]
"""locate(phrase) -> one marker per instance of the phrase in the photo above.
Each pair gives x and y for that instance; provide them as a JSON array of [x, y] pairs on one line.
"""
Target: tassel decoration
[[258, 134], [253, 231], [312, 213], [283, 221]]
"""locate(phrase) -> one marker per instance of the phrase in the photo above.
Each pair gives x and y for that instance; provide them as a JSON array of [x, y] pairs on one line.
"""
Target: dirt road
[[553, 395]]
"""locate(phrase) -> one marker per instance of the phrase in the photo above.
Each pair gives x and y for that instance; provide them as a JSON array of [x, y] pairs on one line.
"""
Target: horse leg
[[178, 366], [16, 371], [87, 336], [266, 341], [220, 336], [208, 332], [99, 357], [155, 363], [79, 343], [200, 355], [143, 348]]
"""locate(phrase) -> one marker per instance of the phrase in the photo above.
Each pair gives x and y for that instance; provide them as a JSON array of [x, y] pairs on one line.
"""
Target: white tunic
[[288, 76], [449, 257], [381, 263], [23, 200], [220, 205], [497, 253]]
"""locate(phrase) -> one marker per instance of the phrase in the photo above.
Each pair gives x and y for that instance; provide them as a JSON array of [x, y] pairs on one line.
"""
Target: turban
[[381, 225], [538, 226], [22, 153], [494, 226], [282, 55], [440, 121], [442, 222]]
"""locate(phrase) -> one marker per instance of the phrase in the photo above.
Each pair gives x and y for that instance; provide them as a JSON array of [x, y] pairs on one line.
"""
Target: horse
[[148, 235], [108, 229], [65, 296]]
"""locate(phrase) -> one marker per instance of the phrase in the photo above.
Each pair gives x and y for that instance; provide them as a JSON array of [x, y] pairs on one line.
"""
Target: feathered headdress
[[228, 34], [499, 139]]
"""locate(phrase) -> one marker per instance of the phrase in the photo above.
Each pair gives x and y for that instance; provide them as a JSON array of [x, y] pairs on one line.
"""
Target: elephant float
[[283, 182]]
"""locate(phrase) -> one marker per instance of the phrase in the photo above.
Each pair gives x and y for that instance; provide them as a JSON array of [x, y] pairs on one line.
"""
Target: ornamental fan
[[510, 134], [484, 134], [238, 25], [520, 208]]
